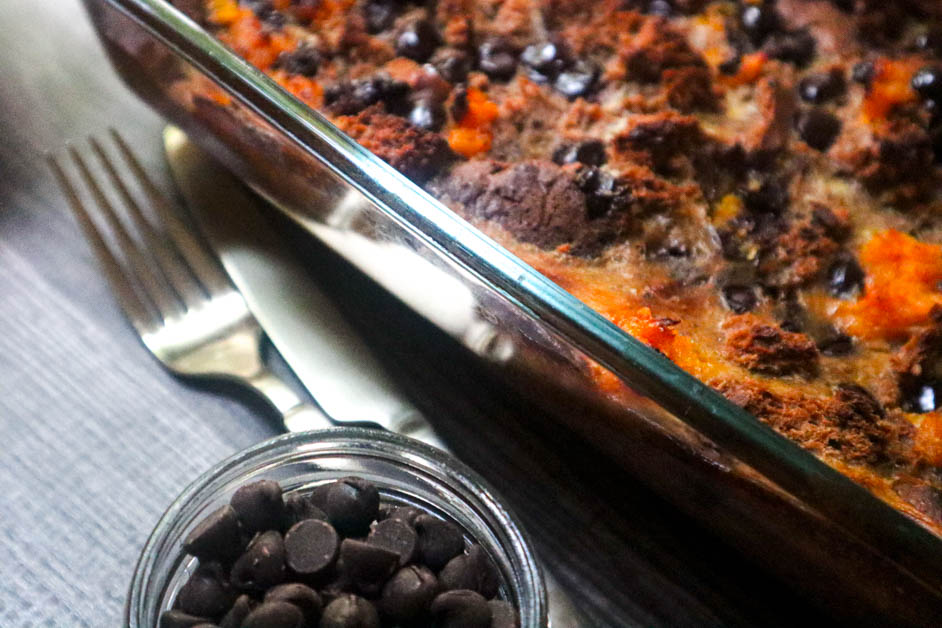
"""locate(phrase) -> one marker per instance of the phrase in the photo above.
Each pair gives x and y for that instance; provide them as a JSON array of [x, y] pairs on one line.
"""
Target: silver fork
[[175, 294]]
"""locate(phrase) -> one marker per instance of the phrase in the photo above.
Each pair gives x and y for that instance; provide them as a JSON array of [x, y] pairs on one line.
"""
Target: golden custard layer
[[752, 188]]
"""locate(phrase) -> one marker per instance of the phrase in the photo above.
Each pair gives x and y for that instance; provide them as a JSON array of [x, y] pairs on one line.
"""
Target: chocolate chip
[[350, 611], [303, 597], [503, 614], [731, 66], [352, 505], [452, 64], [836, 344], [395, 536], [380, 14], [759, 21], [863, 73], [740, 299], [237, 614], [660, 7], [427, 114], [769, 197], [474, 571], [930, 41], [439, 541], [217, 537], [818, 128], [274, 615], [461, 609], [417, 40], [822, 87], [259, 506], [318, 494], [589, 152], [796, 47], [577, 80], [925, 397], [178, 619], [351, 97], [311, 547], [845, 277], [544, 61], [300, 506], [366, 564], [497, 58], [405, 514], [304, 60], [408, 594], [927, 82], [205, 594], [263, 563]]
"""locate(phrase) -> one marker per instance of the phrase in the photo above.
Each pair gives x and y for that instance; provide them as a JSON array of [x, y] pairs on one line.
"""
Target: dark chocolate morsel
[[318, 495], [311, 546], [395, 536], [408, 594], [759, 21], [275, 615], [217, 537], [439, 541], [417, 40], [205, 594], [461, 609], [473, 571], [237, 614], [366, 564], [304, 60], [863, 73], [301, 596], [452, 64], [740, 299], [822, 87], [503, 614], [259, 506], [818, 128], [380, 14], [300, 506], [178, 619], [350, 611], [578, 79], [263, 563], [588, 152], [352, 505], [497, 58], [845, 276], [927, 82]]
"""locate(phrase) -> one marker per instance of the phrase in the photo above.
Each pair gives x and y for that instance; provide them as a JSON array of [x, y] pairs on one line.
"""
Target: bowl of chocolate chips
[[339, 528]]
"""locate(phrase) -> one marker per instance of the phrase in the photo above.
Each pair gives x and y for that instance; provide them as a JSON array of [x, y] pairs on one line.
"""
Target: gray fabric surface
[[94, 447]]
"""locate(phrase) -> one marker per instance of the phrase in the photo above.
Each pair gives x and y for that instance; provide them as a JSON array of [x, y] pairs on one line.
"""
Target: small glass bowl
[[406, 472]]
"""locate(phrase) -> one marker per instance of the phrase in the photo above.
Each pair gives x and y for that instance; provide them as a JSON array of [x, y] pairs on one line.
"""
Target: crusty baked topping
[[751, 187]]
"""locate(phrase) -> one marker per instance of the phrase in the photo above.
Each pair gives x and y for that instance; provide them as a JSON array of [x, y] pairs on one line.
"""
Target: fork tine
[[158, 292], [139, 315], [170, 265], [205, 268]]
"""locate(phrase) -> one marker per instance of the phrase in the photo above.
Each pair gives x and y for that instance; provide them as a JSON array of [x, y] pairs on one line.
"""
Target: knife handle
[[298, 415]]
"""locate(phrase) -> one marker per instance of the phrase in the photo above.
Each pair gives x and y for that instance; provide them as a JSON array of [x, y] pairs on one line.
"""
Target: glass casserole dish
[[757, 488]]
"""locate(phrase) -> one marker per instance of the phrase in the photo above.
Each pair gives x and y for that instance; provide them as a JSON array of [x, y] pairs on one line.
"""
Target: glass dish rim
[[411, 451], [800, 473]]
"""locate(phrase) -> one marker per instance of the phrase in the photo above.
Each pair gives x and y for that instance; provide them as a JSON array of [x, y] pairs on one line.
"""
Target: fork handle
[[297, 414]]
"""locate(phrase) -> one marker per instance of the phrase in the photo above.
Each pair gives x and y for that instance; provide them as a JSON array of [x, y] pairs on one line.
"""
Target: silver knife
[[306, 328]]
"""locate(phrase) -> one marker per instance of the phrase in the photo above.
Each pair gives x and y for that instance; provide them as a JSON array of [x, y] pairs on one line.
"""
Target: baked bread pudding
[[751, 188]]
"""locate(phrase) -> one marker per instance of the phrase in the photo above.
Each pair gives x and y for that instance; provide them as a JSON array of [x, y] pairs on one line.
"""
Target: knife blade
[[306, 328]]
